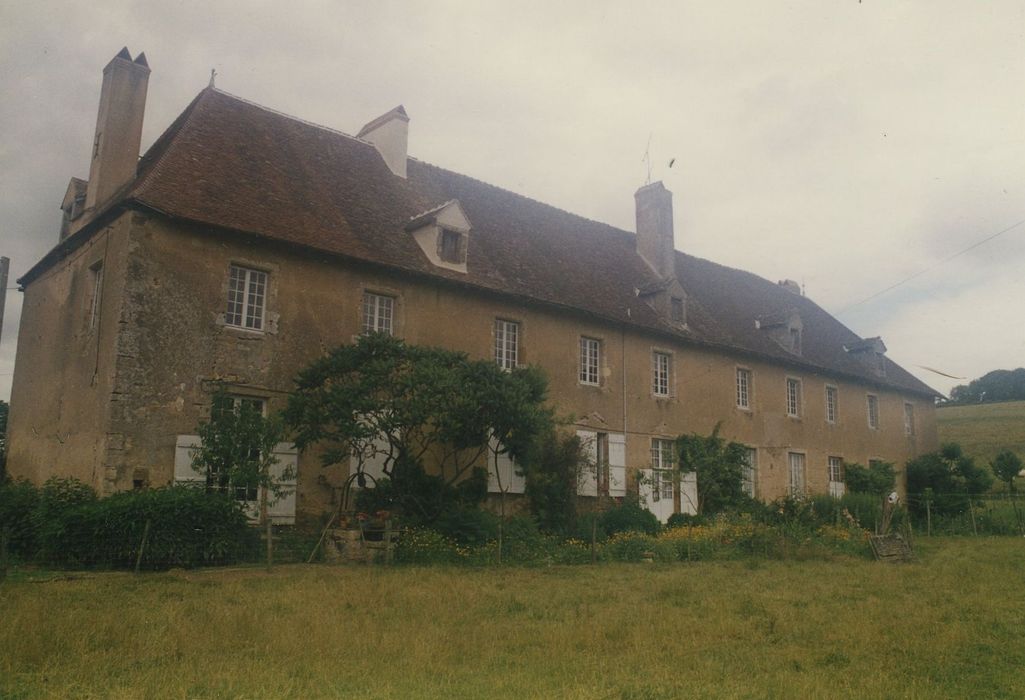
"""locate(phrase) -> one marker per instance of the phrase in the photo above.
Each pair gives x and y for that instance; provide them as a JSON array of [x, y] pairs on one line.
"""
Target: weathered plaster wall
[[65, 379], [175, 347]]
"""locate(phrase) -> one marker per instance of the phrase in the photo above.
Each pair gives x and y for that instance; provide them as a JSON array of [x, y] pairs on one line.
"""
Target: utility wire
[[959, 253]]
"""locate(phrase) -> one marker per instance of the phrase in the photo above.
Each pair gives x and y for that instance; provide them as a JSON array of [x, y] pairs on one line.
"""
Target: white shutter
[[281, 508], [587, 481], [184, 447], [617, 464], [511, 481], [689, 493]]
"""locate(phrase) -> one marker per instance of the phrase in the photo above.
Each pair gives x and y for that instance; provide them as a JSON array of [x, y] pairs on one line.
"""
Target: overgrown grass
[[984, 430], [947, 626]]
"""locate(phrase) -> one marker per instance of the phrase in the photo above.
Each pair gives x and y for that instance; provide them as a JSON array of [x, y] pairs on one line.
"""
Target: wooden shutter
[[617, 464], [285, 474], [689, 493], [184, 447], [587, 481]]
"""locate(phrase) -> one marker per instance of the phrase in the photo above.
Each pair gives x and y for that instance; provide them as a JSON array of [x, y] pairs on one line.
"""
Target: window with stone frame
[[378, 313], [793, 397], [872, 403], [749, 478], [743, 388], [590, 361], [507, 344], [218, 481], [663, 463], [661, 366], [247, 297], [909, 419], [831, 403]]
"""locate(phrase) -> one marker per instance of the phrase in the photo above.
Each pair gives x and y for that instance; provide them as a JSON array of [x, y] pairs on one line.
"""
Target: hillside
[[984, 430]]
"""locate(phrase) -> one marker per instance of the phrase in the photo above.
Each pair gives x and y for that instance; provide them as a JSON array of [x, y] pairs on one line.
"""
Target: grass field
[[984, 430], [950, 625]]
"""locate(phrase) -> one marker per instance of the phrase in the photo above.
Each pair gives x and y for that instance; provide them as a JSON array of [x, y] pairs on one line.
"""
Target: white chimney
[[655, 241], [115, 155], [390, 135]]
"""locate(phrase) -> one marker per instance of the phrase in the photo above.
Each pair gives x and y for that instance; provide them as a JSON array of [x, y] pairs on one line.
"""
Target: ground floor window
[[796, 482], [750, 472], [836, 477]]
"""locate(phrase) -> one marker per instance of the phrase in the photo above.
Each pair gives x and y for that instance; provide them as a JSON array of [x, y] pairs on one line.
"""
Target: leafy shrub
[[628, 516], [684, 520], [426, 546], [878, 479], [523, 541], [188, 527], [630, 546], [467, 525], [18, 501], [551, 474], [952, 476]]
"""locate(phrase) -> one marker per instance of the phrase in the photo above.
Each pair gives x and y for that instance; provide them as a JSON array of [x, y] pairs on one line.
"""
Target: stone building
[[246, 242]]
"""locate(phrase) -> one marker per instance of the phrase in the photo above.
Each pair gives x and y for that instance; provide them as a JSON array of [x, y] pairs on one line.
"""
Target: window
[[793, 397], [219, 480], [750, 472], [590, 356], [795, 341], [450, 246], [247, 293], [507, 344], [743, 388], [660, 373], [378, 313], [796, 481], [97, 294], [830, 404], [676, 309], [836, 477], [909, 419], [662, 464], [873, 412]]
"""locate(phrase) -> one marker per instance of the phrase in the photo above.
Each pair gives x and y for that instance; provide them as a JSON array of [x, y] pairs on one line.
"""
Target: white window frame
[[832, 401], [835, 472], [663, 462], [247, 298], [909, 419], [872, 408], [797, 472], [794, 397], [744, 388], [590, 361], [378, 313], [240, 493], [749, 480], [661, 373], [507, 344]]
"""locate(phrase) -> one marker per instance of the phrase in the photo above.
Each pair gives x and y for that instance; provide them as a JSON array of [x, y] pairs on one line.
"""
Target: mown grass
[[984, 430], [950, 625]]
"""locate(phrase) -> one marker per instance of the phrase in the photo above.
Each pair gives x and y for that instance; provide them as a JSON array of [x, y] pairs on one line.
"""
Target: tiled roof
[[228, 163]]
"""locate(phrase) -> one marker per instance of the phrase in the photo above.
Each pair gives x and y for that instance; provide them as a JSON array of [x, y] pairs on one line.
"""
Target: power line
[[959, 253]]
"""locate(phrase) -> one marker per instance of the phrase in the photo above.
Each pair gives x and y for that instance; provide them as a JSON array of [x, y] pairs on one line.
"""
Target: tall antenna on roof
[[213, 74], [646, 159]]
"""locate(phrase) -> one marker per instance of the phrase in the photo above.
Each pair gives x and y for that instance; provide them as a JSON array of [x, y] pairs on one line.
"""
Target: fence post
[[928, 512], [5, 537], [971, 510], [142, 546], [270, 543]]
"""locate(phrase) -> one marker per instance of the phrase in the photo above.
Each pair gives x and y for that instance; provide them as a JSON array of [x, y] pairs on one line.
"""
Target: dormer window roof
[[784, 328], [443, 233]]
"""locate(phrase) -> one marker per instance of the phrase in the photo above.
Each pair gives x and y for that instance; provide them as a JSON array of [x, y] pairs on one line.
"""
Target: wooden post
[[5, 536], [270, 544], [142, 546], [971, 510], [928, 516]]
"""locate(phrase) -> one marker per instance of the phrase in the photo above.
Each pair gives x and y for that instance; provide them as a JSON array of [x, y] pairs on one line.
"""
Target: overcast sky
[[846, 145]]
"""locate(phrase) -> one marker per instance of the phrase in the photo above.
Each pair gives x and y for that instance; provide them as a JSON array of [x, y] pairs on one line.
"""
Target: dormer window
[[795, 341], [443, 233], [450, 247], [785, 328], [676, 310]]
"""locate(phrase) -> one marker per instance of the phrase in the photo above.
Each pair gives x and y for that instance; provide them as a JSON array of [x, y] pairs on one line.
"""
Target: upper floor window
[[590, 360], [873, 412], [831, 394], [378, 313], [793, 397], [450, 246], [909, 419], [677, 311], [660, 363], [247, 296], [743, 388], [507, 343]]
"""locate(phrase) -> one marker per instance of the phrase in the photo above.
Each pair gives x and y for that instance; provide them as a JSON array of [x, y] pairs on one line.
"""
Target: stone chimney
[[655, 241], [390, 135], [115, 155]]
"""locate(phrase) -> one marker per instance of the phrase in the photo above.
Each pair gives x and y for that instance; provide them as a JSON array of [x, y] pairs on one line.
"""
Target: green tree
[[410, 407], [953, 477], [1007, 466], [236, 452], [878, 479], [4, 408], [552, 471], [719, 466]]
